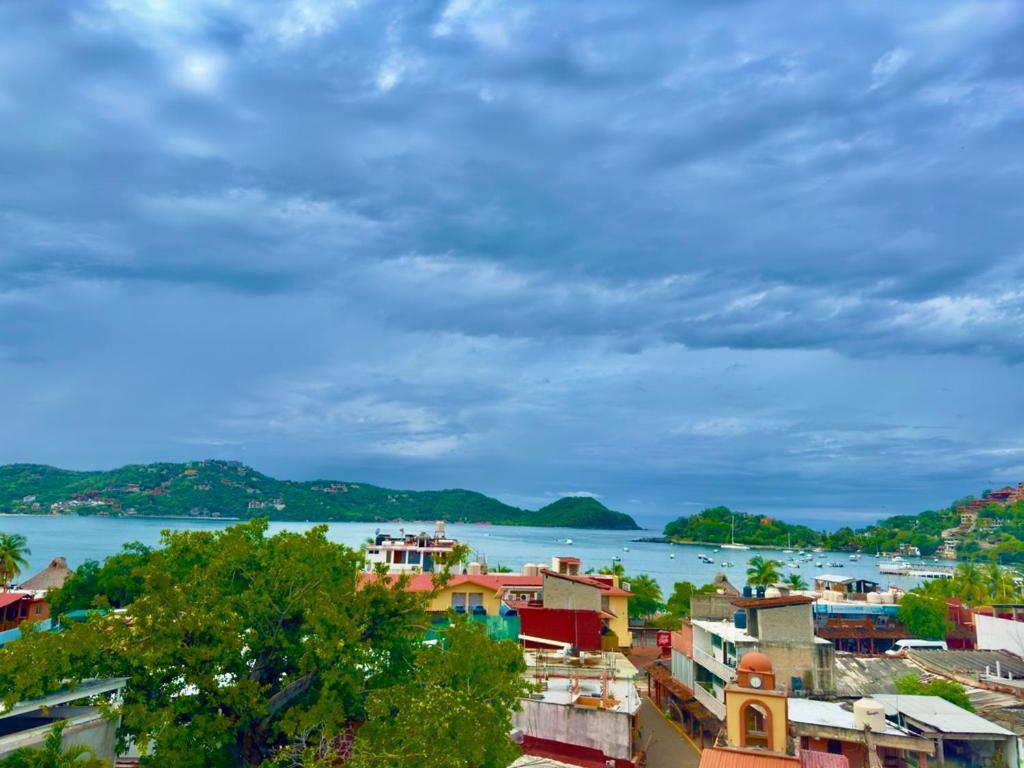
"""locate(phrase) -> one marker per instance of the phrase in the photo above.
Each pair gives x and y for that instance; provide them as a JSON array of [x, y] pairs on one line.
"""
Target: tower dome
[[755, 662]]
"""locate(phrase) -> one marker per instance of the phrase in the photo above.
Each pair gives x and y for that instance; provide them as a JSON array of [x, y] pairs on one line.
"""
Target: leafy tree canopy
[[240, 644], [950, 690], [925, 617]]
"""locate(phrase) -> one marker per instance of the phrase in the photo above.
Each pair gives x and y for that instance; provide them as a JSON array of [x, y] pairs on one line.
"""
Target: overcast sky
[[670, 254]]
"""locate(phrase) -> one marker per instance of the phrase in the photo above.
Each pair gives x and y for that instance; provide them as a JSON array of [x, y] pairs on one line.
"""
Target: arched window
[[757, 726]]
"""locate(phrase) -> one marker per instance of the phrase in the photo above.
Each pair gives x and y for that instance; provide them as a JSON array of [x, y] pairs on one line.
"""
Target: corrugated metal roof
[[830, 714], [939, 714], [811, 759], [83, 690], [857, 676], [719, 757], [971, 663]]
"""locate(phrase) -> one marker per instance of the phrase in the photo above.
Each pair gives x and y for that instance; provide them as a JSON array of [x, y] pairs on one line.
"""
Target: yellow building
[[756, 713]]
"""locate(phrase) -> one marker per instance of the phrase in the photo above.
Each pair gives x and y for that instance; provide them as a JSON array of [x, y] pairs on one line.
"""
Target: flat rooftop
[[726, 630]]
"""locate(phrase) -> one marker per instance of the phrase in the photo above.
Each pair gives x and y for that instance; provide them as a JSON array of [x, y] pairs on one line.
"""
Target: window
[[476, 600], [459, 601], [756, 726], [414, 558], [834, 747]]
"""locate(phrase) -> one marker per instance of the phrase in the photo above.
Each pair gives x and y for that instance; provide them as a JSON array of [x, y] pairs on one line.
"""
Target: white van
[[917, 645]]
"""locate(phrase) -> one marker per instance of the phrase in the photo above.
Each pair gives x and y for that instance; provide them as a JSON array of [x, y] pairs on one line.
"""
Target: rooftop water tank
[[530, 569], [474, 569], [760, 590], [888, 598], [868, 713], [740, 619], [874, 598], [772, 592], [747, 591]]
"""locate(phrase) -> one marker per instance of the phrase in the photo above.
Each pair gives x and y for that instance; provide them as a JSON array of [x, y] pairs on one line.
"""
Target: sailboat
[[733, 544]]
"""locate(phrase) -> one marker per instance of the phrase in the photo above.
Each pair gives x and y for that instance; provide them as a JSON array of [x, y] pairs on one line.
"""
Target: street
[[666, 747]]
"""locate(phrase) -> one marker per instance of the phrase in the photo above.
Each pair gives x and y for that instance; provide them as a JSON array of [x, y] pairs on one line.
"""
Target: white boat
[[568, 541], [672, 555], [897, 566], [733, 544], [625, 549], [727, 564]]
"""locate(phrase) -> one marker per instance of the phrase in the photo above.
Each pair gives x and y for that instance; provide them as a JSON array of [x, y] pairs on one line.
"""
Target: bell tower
[[756, 712]]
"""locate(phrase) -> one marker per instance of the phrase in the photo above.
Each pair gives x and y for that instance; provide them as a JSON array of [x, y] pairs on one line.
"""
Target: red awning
[[10, 598]]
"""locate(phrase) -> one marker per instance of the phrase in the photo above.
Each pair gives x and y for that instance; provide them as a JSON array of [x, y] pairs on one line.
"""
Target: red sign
[[664, 638]]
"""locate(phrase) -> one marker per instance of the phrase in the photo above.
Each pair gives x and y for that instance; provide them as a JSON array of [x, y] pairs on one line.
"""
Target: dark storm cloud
[[519, 246]]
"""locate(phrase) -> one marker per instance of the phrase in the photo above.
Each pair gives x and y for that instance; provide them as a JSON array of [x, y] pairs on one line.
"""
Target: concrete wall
[[712, 607], [571, 595], [814, 664], [995, 634], [609, 732], [790, 623]]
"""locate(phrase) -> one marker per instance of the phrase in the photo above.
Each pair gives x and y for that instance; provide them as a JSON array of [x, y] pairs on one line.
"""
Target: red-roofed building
[[16, 607]]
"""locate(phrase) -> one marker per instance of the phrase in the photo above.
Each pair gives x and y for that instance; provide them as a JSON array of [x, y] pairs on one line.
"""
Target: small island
[[231, 490], [989, 527]]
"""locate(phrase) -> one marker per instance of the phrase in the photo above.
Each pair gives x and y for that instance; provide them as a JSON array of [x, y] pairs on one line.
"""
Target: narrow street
[[666, 746]]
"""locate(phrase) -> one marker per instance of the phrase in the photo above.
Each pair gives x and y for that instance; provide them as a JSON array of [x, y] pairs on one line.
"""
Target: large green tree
[[950, 690], [925, 617], [646, 600], [238, 646], [14, 554], [114, 584]]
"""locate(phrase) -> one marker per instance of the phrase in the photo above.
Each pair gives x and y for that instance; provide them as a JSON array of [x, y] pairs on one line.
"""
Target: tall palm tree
[[13, 556], [646, 600], [969, 583], [1000, 583], [795, 581], [53, 754], [762, 572]]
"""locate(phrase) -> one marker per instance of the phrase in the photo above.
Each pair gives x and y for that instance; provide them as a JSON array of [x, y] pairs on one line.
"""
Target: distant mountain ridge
[[219, 489]]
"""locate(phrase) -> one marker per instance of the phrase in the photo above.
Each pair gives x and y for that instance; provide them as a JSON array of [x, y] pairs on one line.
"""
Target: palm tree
[[53, 755], [13, 556], [969, 584], [1000, 583], [646, 600], [762, 572], [615, 569], [795, 581]]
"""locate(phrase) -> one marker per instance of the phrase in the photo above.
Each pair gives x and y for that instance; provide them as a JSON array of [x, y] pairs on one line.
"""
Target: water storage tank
[[474, 569], [530, 569], [747, 591], [760, 591], [874, 598], [868, 713], [772, 592], [740, 619], [439, 528], [888, 598]]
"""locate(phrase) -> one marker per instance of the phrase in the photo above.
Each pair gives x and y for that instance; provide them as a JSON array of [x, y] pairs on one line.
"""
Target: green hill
[[715, 525], [231, 489]]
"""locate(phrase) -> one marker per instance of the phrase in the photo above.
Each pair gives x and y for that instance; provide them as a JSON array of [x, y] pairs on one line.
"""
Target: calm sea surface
[[81, 538]]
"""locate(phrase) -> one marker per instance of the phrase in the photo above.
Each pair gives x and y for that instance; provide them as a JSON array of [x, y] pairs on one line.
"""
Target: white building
[[409, 553]]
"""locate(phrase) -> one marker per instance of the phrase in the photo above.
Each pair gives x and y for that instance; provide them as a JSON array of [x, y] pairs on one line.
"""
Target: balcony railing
[[713, 665], [711, 704]]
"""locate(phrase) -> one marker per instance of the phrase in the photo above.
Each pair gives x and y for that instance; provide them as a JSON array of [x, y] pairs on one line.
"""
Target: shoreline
[[390, 521]]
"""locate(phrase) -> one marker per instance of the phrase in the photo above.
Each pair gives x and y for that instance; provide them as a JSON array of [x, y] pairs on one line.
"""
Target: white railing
[[711, 704], [713, 665]]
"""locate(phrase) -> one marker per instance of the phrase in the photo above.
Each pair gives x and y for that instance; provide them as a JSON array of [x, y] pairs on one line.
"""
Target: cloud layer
[[670, 255]]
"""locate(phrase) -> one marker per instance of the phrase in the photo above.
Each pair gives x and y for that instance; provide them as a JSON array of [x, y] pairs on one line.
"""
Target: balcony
[[713, 665], [711, 704]]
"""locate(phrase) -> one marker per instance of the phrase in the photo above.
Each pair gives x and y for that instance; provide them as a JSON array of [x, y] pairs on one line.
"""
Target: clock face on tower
[[755, 681]]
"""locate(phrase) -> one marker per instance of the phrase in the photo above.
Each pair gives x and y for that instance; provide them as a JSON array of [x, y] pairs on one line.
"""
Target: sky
[[672, 255]]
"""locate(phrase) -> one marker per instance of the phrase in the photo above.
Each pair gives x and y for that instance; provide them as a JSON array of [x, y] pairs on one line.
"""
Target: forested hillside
[[231, 489]]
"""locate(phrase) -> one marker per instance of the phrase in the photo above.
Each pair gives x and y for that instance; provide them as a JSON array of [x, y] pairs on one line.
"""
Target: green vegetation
[[243, 649], [233, 490], [53, 754], [998, 535], [924, 617], [14, 553], [115, 584], [678, 603], [646, 600], [795, 581], [974, 585], [762, 572], [716, 526], [950, 690]]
